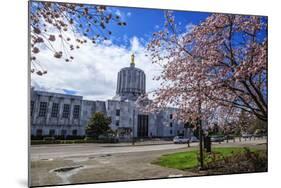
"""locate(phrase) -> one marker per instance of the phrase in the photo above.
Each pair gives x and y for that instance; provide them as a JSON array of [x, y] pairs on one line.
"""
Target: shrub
[[239, 162], [80, 141], [98, 125]]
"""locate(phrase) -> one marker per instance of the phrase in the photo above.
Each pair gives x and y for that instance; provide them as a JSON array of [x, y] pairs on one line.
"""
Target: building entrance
[[142, 126]]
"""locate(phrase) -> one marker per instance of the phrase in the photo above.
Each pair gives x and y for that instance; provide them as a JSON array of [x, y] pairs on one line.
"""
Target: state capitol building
[[55, 114]]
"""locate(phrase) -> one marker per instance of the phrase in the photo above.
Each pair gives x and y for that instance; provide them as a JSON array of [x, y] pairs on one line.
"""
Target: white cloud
[[94, 71], [117, 12], [123, 15], [135, 44], [189, 27]]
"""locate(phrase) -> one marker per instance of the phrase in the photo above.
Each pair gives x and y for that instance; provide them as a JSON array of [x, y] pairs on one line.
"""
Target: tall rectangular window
[[52, 132], [171, 124], [66, 110], [55, 110], [117, 123], [171, 116], [31, 108], [76, 111], [118, 112], [43, 109], [74, 132], [39, 132], [63, 132]]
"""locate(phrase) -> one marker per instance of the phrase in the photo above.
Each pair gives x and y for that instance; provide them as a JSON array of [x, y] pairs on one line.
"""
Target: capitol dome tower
[[130, 82]]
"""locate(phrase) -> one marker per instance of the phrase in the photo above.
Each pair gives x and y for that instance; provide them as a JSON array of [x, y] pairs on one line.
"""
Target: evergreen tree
[[98, 125]]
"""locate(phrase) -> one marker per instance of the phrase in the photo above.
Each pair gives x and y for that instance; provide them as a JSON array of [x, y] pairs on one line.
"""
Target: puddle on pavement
[[66, 169], [106, 155], [47, 159], [66, 172]]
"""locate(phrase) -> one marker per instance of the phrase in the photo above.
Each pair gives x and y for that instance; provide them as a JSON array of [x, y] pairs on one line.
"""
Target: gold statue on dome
[[132, 59]]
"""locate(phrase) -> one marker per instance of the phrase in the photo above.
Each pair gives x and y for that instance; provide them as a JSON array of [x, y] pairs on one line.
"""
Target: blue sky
[[94, 71], [143, 22]]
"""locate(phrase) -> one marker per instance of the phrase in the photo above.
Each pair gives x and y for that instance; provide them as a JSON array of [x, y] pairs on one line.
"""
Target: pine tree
[[98, 125]]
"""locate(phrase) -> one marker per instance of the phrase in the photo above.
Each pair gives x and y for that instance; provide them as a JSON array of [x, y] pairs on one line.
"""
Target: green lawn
[[188, 159]]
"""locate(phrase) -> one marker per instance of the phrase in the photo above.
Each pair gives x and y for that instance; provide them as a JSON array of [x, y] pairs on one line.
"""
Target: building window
[[39, 132], [63, 132], [43, 109], [171, 131], [171, 124], [117, 123], [55, 110], [74, 132], [31, 108], [66, 110], [76, 111], [171, 116], [52, 132], [118, 112]]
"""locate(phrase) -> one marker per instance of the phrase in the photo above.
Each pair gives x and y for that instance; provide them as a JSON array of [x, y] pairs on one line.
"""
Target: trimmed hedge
[[69, 137], [38, 142]]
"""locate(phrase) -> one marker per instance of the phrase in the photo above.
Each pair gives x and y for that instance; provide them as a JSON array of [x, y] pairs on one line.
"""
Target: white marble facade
[[54, 114]]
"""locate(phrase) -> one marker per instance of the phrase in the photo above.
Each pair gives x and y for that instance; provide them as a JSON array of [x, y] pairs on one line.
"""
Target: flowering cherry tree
[[221, 63], [52, 23]]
